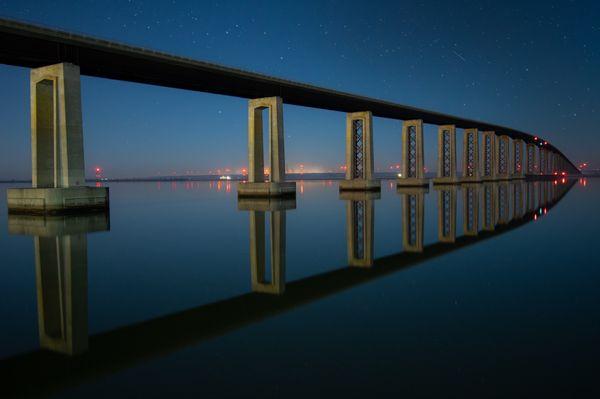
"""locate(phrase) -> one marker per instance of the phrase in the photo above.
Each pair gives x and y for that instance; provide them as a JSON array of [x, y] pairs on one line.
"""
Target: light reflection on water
[[116, 297]]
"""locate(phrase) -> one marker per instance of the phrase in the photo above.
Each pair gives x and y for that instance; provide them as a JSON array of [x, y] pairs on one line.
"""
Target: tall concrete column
[[58, 168], [489, 156], [503, 170], [359, 154], [446, 213], [446, 171], [267, 281], [471, 209], [360, 227], [490, 206], [60, 244], [542, 161], [470, 165], [530, 159], [413, 217], [412, 155], [258, 185], [517, 159]]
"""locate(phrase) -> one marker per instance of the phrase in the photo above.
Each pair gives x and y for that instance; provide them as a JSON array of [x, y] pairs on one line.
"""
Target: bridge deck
[[34, 46]]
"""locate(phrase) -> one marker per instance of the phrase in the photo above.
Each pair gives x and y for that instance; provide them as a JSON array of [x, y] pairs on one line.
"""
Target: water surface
[[161, 295]]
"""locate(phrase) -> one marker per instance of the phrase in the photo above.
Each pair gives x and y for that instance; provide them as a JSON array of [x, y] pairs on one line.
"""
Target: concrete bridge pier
[[503, 159], [517, 159], [413, 174], [470, 209], [258, 185], [58, 169], [263, 280], [447, 213], [360, 227], [413, 217], [61, 275], [446, 171], [359, 154], [542, 162], [489, 157], [530, 163], [471, 173]]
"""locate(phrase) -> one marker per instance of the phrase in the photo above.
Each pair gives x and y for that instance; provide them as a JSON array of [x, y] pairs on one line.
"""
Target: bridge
[[69, 356], [58, 58]]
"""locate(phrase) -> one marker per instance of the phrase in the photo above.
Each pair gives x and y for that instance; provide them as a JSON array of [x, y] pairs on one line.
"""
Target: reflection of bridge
[[62, 275], [57, 150]]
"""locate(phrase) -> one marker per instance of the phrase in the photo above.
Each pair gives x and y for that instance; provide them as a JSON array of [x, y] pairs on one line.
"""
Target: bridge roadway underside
[[32, 46]]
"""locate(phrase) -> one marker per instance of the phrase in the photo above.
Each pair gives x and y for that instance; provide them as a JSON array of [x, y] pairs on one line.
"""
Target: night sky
[[530, 65]]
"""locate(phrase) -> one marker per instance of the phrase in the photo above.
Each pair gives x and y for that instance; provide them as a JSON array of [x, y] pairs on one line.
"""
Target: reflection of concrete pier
[[471, 209], [360, 222], [61, 276], [503, 203], [490, 206], [446, 213], [272, 282], [413, 217]]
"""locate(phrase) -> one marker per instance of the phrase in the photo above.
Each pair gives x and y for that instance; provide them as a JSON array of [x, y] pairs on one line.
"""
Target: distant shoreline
[[237, 178]]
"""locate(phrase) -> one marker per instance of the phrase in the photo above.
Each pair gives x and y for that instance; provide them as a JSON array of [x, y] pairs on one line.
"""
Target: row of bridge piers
[[58, 169]]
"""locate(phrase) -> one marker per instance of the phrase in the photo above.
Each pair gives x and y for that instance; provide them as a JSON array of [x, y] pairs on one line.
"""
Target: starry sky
[[530, 65]]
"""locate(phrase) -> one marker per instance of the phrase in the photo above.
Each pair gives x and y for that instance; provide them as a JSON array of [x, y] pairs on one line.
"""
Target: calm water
[[167, 295]]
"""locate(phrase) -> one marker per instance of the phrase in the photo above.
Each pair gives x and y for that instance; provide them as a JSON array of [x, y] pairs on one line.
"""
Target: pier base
[[57, 200], [267, 189]]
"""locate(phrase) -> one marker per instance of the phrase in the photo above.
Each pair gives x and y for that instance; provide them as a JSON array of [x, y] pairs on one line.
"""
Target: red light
[[564, 173], [535, 216], [535, 138]]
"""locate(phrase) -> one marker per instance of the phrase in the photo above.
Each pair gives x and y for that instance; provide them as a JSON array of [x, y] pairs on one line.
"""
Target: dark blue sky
[[531, 65]]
